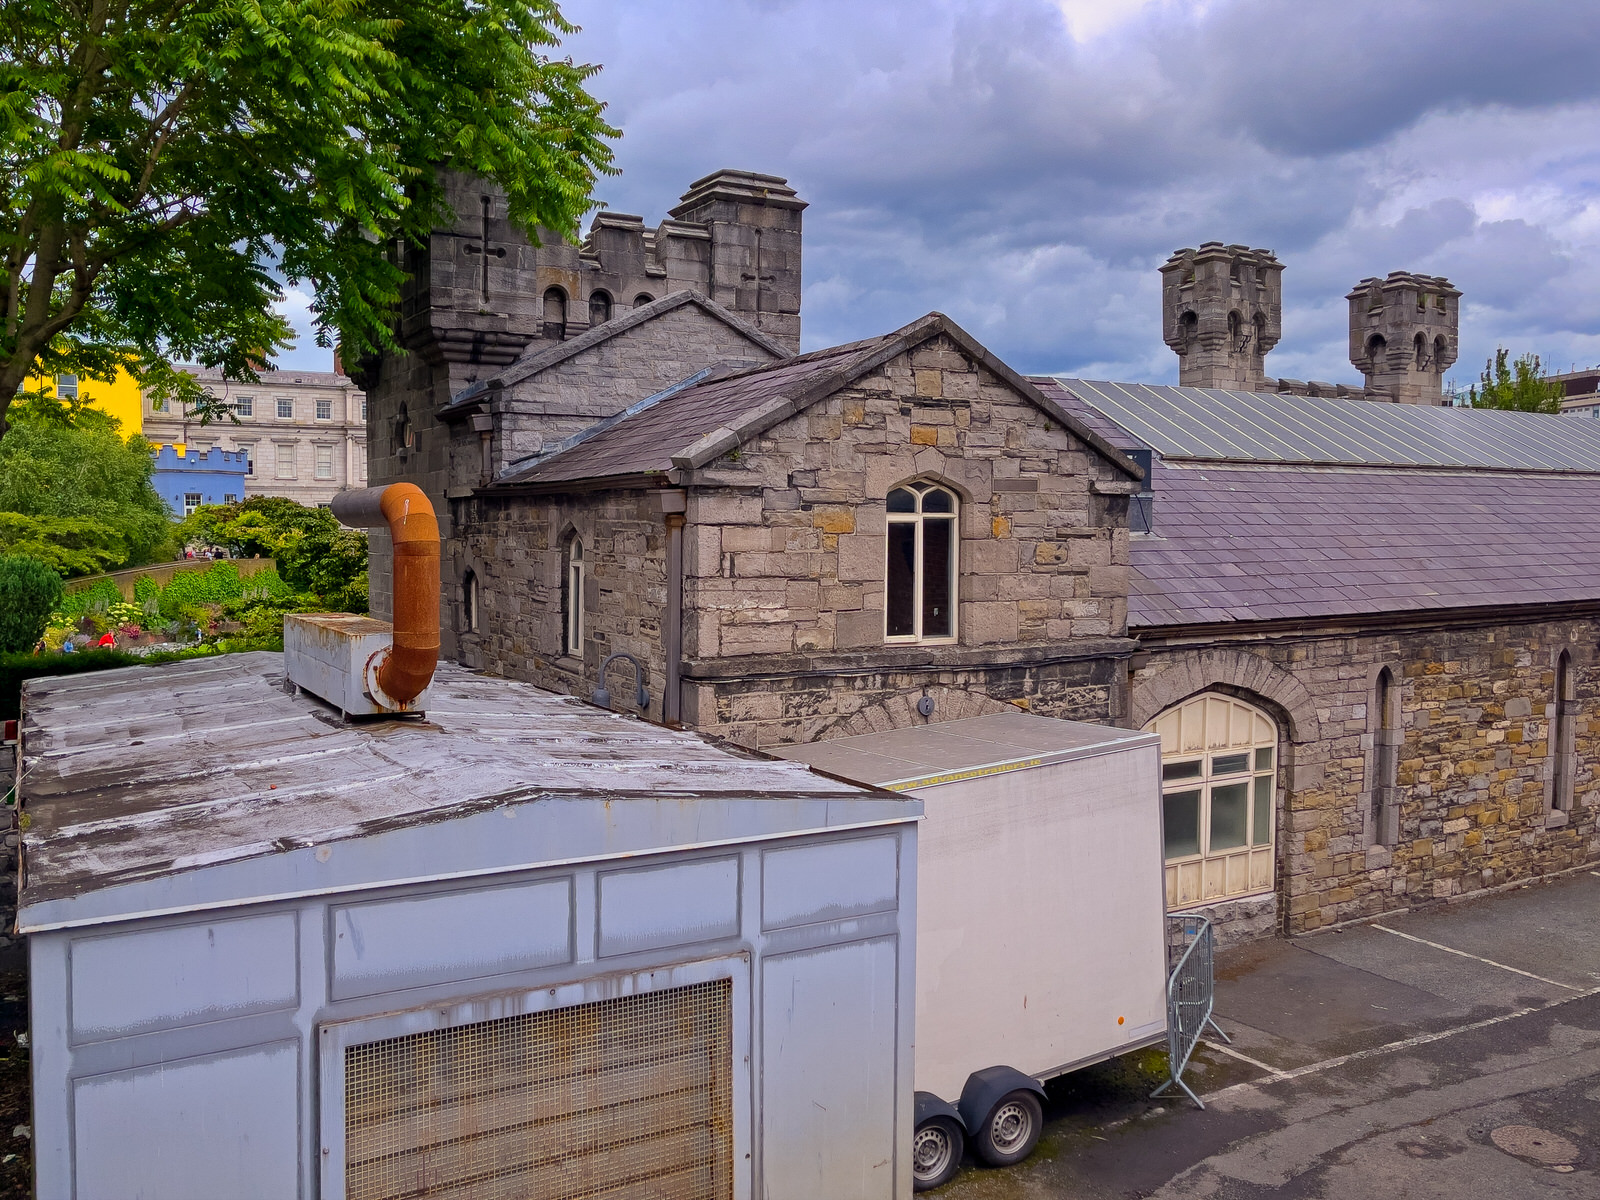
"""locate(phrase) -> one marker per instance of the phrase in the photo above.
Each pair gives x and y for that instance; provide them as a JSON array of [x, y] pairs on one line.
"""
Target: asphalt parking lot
[[1451, 1052]]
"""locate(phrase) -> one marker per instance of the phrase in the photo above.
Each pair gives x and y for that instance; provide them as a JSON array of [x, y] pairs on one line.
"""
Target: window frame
[[278, 404], [574, 568], [921, 489], [316, 463], [470, 601], [244, 406], [1202, 878], [279, 458], [322, 408], [1562, 735], [192, 501]]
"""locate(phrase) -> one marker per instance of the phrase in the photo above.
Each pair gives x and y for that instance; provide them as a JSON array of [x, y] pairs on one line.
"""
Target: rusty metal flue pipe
[[413, 528]]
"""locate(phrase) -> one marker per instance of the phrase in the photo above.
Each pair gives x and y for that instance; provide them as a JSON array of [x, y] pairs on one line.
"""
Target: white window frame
[[921, 488], [66, 387], [278, 408], [317, 466], [1194, 735], [244, 406], [191, 501], [323, 408], [283, 453], [575, 565]]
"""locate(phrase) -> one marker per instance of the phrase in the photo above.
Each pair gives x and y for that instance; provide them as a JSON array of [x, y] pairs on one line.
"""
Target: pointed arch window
[[469, 602], [1387, 739], [1218, 798], [572, 598], [555, 313], [920, 587]]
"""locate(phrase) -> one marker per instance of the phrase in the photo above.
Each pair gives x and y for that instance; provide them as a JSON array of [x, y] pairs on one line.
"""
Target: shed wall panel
[[180, 975], [656, 907], [389, 944], [829, 882], [200, 1129], [828, 1073]]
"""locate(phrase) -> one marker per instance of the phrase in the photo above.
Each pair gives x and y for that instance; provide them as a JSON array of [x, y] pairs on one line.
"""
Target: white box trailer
[[1040, 914]]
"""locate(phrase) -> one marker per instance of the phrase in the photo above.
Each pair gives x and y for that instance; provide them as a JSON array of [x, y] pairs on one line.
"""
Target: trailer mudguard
[[929, 1105], [984, 1089]]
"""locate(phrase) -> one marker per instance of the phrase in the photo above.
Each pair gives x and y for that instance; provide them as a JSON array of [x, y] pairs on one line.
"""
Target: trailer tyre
[[936, 1150], [1012, 1129]]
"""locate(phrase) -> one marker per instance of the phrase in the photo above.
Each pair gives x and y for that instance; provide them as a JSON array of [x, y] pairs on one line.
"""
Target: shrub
[[29, 593], [97, 597], [145, 590]]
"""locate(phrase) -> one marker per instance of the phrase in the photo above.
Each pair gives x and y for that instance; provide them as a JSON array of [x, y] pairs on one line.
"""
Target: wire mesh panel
[[629, 1097]]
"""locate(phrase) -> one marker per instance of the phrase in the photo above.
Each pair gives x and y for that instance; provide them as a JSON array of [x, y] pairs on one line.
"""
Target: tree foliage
[[164, 167], [315, 553], [29, 593], [1518, 385], [79, 495]]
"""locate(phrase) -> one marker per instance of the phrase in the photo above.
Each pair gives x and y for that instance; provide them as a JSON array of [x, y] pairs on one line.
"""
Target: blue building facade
[[186, 481]]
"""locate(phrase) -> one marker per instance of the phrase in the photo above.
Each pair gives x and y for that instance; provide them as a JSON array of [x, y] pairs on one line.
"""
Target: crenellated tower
[[1221, 312], [1404, 334]]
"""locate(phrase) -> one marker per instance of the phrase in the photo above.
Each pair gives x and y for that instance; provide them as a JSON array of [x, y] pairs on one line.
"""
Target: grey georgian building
[[304, 432]]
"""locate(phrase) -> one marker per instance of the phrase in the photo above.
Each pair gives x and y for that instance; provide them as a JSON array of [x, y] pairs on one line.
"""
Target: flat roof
[[920, 756], [149, 772]]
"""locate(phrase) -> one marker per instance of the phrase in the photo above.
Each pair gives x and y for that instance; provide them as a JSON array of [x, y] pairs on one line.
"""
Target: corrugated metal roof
[[1218, 425]]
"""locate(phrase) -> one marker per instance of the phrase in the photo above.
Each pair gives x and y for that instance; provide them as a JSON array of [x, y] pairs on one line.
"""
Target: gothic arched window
[[1561, 734], [469, 603], [919, 601], [572, 597], [599, 309], [555, 313]]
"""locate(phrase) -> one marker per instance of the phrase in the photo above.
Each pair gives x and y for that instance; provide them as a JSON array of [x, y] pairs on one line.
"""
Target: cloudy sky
[[1025, 165]]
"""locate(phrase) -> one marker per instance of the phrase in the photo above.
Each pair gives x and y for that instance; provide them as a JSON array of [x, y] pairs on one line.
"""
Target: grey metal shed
[[521, 947]]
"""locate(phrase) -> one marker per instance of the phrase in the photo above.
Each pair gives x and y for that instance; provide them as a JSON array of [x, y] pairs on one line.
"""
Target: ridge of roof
[[874, 352], [1219, 425], [534, 361]]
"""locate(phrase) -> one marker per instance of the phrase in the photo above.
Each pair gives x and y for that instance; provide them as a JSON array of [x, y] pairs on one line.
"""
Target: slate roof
[[690, 426], [1261, 514]]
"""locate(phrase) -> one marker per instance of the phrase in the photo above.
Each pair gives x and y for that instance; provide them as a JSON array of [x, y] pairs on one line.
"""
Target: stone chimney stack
[[754, 267], [1404, 334], [1221, 311]]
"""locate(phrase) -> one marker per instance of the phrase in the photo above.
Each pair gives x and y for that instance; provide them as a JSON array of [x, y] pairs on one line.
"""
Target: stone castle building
[[1222, 311], [1365, 631]]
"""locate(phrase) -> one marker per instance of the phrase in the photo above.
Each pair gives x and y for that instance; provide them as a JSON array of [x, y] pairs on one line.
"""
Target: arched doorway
[[1219, 770]]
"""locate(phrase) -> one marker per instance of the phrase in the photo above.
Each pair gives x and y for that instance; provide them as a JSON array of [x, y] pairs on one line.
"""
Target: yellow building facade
[[120, 398]]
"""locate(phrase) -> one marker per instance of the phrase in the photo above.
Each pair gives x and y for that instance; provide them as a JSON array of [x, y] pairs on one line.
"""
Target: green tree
[[1518, 385], [29, 593], [90, 475], [164, 167], [315, 554]]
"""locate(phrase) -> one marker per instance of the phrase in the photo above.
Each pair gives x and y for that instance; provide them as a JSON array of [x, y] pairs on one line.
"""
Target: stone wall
[[515, 547], [1474, 763], [537, 412]]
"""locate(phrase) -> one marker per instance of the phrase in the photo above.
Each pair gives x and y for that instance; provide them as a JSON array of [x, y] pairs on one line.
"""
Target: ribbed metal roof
[[1224, 426]]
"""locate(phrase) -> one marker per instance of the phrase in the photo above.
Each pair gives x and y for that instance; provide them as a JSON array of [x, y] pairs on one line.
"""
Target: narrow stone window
[[1377, 352], [469, 602], [555, 313], [1561, 735], [1386, 740], [1236, 338], [599, 309], [572, 599], [921, 578], [1189, 328], [1421, 352], [642, 299]]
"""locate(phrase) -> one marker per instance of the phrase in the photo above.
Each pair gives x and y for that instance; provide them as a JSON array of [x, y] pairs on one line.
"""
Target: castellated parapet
[[480, 290], [1221, 312], [1404, 334]]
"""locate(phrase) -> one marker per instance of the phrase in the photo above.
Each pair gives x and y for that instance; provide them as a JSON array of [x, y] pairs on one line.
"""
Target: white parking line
[[1421, 1039], [1478, 958], [1220, 1048]]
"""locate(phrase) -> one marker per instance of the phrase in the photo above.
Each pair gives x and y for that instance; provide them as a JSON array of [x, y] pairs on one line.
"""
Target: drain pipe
[[406, 668], [674, 505]]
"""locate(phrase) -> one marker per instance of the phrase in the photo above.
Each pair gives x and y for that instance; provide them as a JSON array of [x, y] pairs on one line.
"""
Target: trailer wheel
[[936, 1150], [1012, 1129]]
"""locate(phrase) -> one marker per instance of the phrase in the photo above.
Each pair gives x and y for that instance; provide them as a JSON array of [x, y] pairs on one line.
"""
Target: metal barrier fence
[[1190, 994]]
